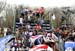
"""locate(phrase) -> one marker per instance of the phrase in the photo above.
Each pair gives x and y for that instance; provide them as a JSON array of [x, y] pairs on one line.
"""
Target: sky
[[44, 3]]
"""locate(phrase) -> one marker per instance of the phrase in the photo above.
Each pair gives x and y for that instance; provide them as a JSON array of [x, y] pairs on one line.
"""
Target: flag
[[41, 47]]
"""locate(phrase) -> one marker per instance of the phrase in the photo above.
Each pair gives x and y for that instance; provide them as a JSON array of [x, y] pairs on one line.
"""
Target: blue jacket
[[69, 44]]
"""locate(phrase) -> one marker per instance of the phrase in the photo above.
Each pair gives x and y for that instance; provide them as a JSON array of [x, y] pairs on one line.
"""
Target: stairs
[[17, 23], [46, 25]]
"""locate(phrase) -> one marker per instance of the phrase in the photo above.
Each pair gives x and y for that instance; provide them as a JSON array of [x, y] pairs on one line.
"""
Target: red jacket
[[37, 27]]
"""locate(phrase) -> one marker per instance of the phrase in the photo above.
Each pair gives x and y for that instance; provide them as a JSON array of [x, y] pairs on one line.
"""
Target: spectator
[[8, 31], [1, 32], [17, 33], [21, 19], [41, 21], [26, 11], [73, 33], [53, 36], [44, 32], [28, 26], [34, 32], [38, 27], [66, 32], [37, 13], [29, 15], [57, 32], [69, 43]]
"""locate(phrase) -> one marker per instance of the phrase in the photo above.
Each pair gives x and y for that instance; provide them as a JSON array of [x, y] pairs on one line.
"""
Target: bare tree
[[2, 5], [7, 13]]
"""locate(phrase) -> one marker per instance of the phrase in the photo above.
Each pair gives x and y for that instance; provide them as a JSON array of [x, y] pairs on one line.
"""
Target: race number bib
[[69, 49]]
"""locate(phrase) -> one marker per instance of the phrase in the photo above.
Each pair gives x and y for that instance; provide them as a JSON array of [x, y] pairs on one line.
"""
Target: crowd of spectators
[[24, 32]]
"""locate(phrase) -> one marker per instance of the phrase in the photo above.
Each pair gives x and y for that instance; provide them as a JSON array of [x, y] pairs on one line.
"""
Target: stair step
[[48, 30], [17, 23], [17, 26], [31, 29], [33, 24], [46, 25]]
